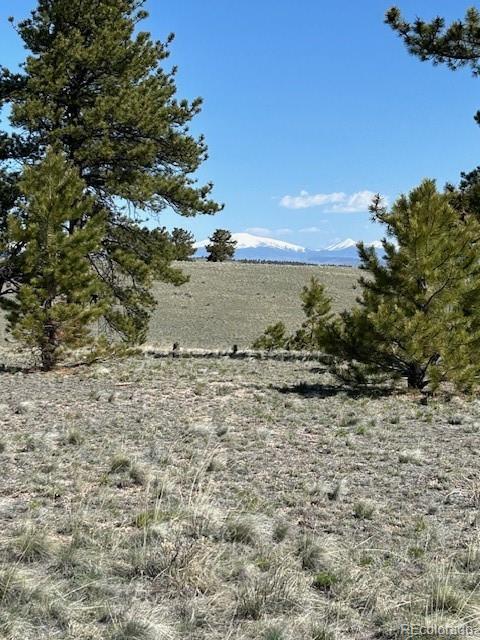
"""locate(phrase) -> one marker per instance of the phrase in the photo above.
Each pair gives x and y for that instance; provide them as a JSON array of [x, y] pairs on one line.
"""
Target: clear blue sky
[[314, 100]]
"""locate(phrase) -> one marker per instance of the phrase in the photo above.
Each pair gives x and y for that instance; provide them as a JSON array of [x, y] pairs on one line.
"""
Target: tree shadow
[[318, 390], [12, 369], [319, 370], [32, 368]]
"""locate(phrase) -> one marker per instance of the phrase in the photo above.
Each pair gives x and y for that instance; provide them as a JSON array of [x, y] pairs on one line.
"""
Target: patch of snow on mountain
[[351, 244], [340, 246], [249, 241]]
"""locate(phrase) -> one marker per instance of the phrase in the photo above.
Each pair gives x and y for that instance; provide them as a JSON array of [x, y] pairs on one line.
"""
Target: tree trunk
[[49, 347], [416, 377]]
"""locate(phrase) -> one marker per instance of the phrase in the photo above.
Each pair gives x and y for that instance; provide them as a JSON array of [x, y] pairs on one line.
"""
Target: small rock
[[339, 490], [24, 407]]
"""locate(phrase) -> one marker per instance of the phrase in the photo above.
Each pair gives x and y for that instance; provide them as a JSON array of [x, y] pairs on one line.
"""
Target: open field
[[231, 303], [232, 499]]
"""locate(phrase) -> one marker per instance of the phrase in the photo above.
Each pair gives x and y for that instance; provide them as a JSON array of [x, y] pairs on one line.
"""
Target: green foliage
[[141, 256], [418, 313], [221, 246], [325, 581], [61, 294], [311, 336], [274, 337], [456, 45], [316, 306], [183, 242], [93, 86]]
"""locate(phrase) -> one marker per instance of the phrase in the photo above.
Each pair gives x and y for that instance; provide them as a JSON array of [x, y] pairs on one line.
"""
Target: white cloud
[[259, 231], [337, 202], [264, 231], [311, 230]]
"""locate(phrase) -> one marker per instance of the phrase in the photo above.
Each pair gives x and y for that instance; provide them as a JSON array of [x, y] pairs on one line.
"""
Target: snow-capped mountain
[[352, 244], [252, 247], [249, 241], [340, 246]]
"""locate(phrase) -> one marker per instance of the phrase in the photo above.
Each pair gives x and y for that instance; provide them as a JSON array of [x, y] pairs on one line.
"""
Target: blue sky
[[309, 106]]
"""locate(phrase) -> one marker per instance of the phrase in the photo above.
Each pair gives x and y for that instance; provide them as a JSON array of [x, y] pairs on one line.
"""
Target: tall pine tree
[[93, 86], [61, 294], [183, 242], [419, 313], [221, 247]]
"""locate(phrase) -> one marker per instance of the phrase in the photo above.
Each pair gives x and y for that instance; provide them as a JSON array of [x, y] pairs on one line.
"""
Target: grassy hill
[[231, 303]]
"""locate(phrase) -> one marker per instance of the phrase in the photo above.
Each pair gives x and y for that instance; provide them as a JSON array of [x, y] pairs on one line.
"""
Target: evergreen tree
[[93, 86], [274, 337], [316, 306], [419, 310], [183, 242], [418, 315], [313, 332], [61, 293], [221, 246]]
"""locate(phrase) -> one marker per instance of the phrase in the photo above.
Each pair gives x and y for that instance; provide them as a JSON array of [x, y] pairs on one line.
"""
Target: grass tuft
[[310, 553], [273, 593], [120, 463], [325, 581], [241, 529], [31, 545], [364, 510]]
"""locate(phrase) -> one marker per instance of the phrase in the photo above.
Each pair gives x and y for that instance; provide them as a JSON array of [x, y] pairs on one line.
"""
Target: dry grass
[[218, 498], [231, 303]]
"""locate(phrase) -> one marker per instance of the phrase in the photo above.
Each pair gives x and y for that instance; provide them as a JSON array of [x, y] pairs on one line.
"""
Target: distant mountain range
[[251, 247]]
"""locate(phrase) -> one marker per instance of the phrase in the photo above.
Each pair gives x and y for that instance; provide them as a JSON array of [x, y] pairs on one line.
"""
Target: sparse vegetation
[[364, 510], [187, 495], [97, 537], [227, 303]]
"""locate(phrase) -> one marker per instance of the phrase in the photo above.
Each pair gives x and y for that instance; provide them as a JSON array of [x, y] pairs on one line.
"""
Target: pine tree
[[418, 315], [61, 294], [273, 338], [316, 306], [419, 310], [312, 335], [183, 242], [93, 85], [221, 246]]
